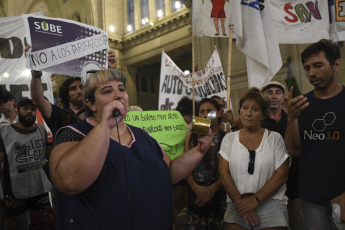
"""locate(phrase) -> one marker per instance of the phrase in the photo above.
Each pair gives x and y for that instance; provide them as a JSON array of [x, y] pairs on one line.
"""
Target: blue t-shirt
[[322, 160], [105, 204]]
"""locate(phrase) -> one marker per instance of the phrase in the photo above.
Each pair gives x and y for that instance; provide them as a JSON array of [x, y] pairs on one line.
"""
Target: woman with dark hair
[[206, 198], [253, 167], [110, 175]]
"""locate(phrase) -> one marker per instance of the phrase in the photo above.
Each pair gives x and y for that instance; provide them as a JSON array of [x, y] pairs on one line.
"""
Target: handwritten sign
[[167, 127]]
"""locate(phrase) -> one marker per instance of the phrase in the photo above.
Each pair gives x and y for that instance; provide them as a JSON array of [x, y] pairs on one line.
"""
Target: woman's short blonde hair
[[256, 95], [96, 79]]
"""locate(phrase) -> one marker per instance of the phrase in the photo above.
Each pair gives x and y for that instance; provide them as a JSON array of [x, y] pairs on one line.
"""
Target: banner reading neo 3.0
[[64, 46]]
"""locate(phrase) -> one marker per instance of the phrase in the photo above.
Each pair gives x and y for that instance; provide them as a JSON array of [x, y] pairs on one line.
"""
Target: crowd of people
[[273, 168]]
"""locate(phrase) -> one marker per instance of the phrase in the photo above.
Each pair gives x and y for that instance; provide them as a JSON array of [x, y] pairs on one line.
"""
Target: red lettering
[[294, 17]]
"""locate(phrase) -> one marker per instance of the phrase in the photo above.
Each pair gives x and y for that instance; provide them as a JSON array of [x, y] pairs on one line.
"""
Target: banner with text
[[174, 84], [64, 46], [167, 127], [298, 22], [13, 74]]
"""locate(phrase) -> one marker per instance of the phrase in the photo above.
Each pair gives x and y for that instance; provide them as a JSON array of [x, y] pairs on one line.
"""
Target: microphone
[[116, 113]]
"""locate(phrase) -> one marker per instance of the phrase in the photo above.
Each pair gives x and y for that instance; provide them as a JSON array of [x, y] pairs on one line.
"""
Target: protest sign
[[64, 46], [298, 22], [167, 127], [208, 16], [337, 19], [174, 84], [14, 75]]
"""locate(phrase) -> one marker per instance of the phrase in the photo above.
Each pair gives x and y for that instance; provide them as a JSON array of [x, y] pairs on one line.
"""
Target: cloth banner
[[337, 20], [14, 75], [298, 22], [64, 46], [256, 37], [174, 84], [167, 127], [209, 15]]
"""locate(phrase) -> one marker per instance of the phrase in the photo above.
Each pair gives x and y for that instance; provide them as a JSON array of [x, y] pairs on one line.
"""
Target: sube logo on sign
[[45, 26]]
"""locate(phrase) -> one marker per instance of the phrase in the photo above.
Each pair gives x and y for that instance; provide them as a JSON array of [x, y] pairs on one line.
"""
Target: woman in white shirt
[[253, 168]]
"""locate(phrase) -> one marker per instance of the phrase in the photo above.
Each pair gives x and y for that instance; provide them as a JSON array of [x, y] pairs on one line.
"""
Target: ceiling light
[[178, 5], [112, 28], [5, 75], [129, 28], [160, 13]]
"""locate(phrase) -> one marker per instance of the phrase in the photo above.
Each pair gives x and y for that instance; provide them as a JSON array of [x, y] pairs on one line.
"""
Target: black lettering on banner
[[17, 90], [11, 48], [37, 59], [53, 55]]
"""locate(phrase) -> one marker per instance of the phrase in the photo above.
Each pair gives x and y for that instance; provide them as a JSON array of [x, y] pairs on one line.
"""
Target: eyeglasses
[[251, 161]]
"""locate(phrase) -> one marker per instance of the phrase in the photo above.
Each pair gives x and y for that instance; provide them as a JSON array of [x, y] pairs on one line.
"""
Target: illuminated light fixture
[[178, 5], [129, 28], [159, 13], [5, 75], [146, 21], [112, 28], [186, 72], [143, 22]]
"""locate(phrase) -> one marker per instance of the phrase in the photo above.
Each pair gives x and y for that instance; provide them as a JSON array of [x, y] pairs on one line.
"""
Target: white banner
[[256, 37], [13, 74], [337, 19], [298, 22], [174, 84], [64, 46], [211, 18]]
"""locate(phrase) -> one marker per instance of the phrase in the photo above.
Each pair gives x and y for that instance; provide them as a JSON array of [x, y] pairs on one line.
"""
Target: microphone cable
[[126, 177]]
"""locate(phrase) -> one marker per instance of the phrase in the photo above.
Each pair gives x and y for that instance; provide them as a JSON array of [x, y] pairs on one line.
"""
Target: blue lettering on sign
[[256, 4]]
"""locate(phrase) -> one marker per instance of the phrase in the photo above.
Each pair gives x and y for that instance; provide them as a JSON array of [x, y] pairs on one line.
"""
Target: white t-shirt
[[270, 155]]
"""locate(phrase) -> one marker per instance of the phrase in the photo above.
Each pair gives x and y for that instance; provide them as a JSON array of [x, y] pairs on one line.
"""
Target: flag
[[211, 18], [256, 37]]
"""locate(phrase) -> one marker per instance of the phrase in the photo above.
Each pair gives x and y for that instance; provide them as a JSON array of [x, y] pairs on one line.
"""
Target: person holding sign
[[110, 175], [254, 167], [70, 93], [206, 198]]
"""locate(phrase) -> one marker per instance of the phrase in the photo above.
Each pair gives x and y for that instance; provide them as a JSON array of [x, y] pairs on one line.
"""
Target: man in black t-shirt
[[316, 132]]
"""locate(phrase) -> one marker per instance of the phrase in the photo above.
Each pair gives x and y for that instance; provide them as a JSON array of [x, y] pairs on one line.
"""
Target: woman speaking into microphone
[[110, 175]]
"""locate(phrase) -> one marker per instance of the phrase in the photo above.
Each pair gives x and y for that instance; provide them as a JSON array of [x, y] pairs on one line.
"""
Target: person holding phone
[[316, 132]]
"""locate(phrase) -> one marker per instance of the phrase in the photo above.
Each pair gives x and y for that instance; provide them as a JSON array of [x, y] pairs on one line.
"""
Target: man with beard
[[22, 149], [71, 95], [276, 120], [316, 132]]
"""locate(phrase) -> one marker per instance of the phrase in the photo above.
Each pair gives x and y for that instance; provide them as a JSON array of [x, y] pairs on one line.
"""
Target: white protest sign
[[174, 84], [298, 22], [64, 46]]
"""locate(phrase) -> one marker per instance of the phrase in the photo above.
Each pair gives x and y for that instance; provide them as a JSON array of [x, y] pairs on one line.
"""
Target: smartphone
[[291, 81]]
